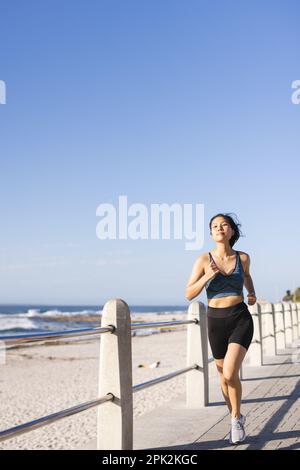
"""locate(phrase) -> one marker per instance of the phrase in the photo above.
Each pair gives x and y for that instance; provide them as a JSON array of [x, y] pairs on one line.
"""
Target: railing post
[[294, 321], [298, 317], [288, 324], [268, 329], [279, 326], [115, 419], [255, 352], [197, 379]]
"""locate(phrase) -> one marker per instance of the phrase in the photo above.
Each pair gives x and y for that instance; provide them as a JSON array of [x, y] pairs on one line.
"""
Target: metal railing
[[17, 340], [40, 422], [20, 340], [275, 326]]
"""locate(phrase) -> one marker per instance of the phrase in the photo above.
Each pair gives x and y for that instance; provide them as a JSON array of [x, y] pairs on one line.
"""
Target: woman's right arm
[[199, 278]]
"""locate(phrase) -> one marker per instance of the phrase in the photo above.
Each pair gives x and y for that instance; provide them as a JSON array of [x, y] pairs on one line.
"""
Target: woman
[[223, 272]]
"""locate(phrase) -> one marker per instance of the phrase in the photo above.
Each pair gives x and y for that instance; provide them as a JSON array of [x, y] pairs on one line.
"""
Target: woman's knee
[[222, 380], [221, 376], [230, 377]]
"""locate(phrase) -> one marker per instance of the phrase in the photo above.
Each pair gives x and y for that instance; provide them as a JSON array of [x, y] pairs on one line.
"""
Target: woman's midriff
[[223, 302]]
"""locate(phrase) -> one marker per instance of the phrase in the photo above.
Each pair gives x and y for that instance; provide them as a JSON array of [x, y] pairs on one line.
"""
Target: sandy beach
[[44, 379]]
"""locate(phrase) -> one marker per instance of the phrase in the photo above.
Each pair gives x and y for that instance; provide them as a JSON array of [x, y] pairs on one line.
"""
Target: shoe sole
[[236, 442]]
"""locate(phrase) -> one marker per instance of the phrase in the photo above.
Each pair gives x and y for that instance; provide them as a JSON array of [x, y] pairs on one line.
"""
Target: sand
[[44, 379]]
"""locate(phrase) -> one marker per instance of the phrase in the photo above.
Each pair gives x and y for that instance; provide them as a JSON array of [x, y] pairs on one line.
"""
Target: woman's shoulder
[[204, 256], [244, 256], [245, 260], [204, 259]]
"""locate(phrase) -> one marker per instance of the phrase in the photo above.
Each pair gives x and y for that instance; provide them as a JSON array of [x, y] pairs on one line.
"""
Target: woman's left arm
[[248, 282]]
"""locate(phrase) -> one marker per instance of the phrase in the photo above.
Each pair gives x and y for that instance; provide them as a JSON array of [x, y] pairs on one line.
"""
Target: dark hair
[[235, 225]]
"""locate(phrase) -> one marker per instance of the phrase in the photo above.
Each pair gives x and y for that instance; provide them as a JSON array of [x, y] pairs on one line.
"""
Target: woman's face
[[221, 230]]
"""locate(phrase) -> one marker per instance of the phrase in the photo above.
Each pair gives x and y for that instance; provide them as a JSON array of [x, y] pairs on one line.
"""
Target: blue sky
[[165, 102]]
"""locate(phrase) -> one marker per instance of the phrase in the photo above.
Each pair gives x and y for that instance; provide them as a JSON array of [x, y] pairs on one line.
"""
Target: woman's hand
[[251, 299], [212, 271]]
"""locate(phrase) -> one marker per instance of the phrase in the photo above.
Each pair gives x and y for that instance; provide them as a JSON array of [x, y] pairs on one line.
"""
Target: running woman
[[224, 271]]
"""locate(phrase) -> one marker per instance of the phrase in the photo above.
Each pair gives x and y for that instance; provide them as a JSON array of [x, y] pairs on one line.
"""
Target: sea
[[25, 319]]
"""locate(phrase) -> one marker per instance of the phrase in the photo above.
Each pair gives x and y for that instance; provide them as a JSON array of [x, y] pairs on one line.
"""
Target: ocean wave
[[33, 319], [60, 313], [12, 323], [37, 313], [32, 312]]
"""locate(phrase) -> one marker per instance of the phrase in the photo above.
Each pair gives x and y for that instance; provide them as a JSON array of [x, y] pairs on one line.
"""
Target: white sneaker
[[237, 432]]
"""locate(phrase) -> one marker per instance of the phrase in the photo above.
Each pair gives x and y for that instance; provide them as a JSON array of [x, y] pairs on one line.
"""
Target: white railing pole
[[294, 321], [115, 419], [197, 386], [255, 353], [279, 326], [298, 317], [288, 324], [268, 329]]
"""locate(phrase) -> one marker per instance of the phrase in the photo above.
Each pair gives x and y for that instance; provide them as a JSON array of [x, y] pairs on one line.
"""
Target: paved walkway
[[271, 402]]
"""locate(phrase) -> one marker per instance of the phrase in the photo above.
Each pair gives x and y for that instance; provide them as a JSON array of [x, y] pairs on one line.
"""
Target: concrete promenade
[[271, 403]]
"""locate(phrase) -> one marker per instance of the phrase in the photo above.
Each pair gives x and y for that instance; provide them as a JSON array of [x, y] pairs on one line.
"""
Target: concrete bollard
[[255, 352], [294, 321], [115, 419], [279, 326], [298, 317], [288, 328], [197, 385], [268, 329]]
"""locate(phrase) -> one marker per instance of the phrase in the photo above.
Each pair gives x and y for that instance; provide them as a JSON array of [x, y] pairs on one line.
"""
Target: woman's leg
[[231, 366], [224, 386]]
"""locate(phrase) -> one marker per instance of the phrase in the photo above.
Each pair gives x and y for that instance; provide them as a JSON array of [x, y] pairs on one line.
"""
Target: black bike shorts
[[229, 325]]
